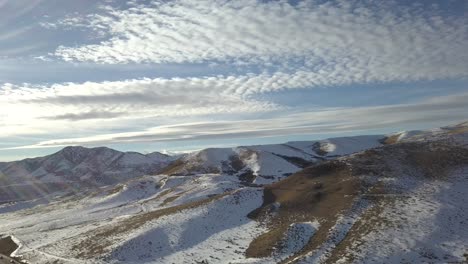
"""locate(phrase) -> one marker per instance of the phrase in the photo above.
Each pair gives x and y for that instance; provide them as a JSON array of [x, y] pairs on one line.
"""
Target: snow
[[18, 243], [259, 162], [338, 146], [428, 226], [211, 158], [336, 234], [250, 160], [421, 135], [62, 223], [217, 232], [272, 165], [282, 149], [347, 145], [428, 222], [297, 236], [132, 191], [404, 135], [97, 166], [202, 186], [271, 162], [16, 206]]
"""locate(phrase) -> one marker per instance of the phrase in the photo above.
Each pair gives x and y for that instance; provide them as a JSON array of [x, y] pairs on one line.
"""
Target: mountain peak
[[80, 150], [78, 154]]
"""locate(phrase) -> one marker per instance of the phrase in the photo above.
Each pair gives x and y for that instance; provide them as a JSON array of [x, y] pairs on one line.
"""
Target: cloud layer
[[36, 108], [264, 49], [437, 110], [340, 41]]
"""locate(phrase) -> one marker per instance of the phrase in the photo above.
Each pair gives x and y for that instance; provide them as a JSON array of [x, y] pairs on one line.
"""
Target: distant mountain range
[[94, 167], [75, 166]]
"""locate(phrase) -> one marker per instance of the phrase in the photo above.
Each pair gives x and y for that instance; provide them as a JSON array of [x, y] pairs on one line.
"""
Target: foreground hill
[[356, 199], [400, 199]]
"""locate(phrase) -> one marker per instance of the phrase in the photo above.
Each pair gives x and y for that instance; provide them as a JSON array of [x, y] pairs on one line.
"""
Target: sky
[[182, 75]]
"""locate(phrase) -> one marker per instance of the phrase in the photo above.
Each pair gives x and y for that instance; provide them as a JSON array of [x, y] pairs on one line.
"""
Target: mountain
[[399, 198], [261, 164], [380, 202], [75, 166], [81, 168]]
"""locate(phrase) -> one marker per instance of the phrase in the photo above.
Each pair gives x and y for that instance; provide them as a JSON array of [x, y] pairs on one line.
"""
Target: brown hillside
[[322, 192]]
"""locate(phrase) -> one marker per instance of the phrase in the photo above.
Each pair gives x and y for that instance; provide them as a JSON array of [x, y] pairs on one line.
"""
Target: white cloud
[[36, 108], [308, 45], [334, 42], [439, 111], [30, 109]]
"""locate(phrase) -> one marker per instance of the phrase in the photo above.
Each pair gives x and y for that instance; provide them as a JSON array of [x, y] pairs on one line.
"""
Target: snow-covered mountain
[[262, 164], [100, 165], [78, 166], [400, 198], [452, 133]]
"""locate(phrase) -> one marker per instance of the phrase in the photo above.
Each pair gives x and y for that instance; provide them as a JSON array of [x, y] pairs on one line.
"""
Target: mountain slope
[[262, 164], [75, 166], [390, 202], [83, 168], [362, 200]]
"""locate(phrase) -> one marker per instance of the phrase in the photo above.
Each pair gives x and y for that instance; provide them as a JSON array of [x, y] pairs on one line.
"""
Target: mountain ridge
[[76, 166]]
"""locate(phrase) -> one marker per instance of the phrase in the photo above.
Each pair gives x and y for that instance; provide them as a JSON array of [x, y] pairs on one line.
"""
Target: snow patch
[[297, 236]]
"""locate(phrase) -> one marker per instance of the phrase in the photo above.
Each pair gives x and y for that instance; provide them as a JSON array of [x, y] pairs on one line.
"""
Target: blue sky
[[183, 75]]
